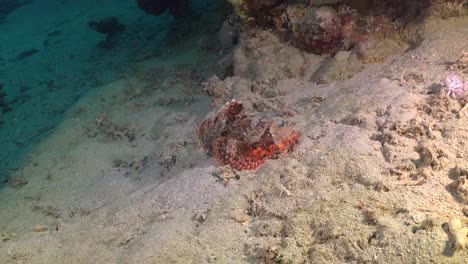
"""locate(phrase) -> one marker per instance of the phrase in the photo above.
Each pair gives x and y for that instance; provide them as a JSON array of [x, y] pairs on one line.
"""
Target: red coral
[[233, 139]]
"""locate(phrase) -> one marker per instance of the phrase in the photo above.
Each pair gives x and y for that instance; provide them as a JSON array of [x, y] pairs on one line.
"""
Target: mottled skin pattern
[[226, 137]]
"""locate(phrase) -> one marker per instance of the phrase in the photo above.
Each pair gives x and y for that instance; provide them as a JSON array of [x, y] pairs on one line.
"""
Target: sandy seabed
[[379, 175]]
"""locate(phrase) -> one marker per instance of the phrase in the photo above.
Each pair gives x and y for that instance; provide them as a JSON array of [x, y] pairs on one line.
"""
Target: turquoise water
[[50, 58]]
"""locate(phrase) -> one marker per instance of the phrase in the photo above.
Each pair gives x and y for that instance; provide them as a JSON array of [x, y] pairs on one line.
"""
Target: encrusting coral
[[241, 142]]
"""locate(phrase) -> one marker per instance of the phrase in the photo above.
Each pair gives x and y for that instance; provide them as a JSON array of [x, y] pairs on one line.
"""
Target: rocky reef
[[327, 26]]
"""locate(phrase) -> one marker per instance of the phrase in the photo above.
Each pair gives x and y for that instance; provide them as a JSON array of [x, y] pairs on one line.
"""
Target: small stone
[[380, 187], [201, 217], [371, 217], [459, 233], [429, 224], [39, 228]]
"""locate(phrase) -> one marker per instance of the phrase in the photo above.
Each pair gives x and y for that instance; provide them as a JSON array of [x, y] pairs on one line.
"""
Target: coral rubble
[[462, 64], [240, 141]]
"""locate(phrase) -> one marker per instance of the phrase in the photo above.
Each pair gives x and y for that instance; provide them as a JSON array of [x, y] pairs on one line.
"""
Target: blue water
[[50, 58]]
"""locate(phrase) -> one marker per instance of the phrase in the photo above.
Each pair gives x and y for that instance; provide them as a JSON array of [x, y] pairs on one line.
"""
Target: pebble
[[39, 228]]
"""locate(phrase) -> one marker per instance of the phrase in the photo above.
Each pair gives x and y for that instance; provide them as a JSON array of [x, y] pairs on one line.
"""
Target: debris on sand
[[39, 228], [4, 237], [17, 181], [462, 64]]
